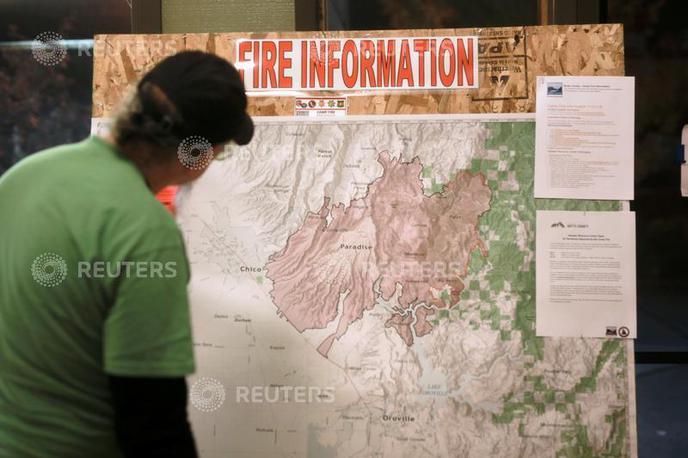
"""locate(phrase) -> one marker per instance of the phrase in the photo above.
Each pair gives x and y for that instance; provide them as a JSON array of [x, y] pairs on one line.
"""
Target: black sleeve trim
[[150, 417]]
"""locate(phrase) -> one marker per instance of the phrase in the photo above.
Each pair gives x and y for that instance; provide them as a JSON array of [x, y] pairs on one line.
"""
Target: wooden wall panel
[[510, 58]]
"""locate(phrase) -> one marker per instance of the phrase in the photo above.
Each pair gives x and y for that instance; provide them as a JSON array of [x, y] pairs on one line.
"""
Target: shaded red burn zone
[[424, 242], [422, 326], [396, 234], [307, 286], [402, 324]]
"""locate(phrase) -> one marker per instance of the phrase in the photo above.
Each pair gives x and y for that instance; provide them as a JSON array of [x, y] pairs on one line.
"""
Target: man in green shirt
[[95, 338]]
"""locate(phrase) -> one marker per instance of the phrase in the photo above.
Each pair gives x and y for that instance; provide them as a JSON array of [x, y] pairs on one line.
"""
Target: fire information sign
[[358, 63]]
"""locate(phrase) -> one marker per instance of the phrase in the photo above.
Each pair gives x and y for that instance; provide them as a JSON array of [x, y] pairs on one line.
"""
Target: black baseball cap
[[208, 95]]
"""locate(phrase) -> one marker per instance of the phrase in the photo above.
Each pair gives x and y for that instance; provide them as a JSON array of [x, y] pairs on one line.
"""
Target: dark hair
[[191, 93]]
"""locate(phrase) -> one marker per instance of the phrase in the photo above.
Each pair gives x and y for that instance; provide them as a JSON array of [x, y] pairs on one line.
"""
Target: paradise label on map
[[342, 64]]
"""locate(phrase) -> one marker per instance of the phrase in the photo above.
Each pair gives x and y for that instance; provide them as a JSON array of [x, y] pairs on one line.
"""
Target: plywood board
[[510, 58]]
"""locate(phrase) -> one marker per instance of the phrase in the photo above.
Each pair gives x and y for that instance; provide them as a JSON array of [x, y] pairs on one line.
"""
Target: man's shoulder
[[141, 224]]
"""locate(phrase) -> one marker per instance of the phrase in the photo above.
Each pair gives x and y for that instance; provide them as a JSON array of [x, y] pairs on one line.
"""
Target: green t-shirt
[[93, 276]]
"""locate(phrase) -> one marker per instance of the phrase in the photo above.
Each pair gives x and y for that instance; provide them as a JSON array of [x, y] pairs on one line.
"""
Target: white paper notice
[[584, 133], [100, 126], [585, 274]]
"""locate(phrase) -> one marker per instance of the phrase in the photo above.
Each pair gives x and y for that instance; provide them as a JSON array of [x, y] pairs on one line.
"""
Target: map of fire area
[[364, 287]]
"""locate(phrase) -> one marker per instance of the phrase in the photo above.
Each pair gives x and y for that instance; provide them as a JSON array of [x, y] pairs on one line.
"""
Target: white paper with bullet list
[[584, 139]]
